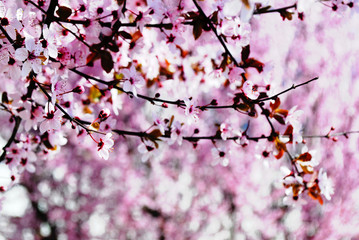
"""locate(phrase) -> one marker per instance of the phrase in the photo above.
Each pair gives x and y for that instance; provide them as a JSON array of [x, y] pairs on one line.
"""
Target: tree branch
[[287, 90], [12, 137], [215, 32]]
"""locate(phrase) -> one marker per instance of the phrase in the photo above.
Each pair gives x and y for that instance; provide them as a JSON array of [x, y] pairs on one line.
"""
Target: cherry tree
[[179, 119]]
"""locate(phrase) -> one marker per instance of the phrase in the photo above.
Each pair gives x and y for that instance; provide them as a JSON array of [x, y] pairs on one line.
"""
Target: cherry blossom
[[199, 153], [176, 133], [226, 131], [325, 184], [31, 55], [250, 90], [52, 120], [191, 111], [133, 80], [105, 145]]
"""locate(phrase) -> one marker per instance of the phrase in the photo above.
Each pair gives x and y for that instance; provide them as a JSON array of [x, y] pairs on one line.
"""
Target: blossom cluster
[[197, 115]]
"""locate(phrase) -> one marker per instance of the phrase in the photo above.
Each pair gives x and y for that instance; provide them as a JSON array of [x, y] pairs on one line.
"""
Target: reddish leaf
[[286, 15], [307, 169], [245, 53], [246, 3], [275, 105], [91, 58], [136, 36], [155, 134], [243, 107], [263, 9], [125, 35], [280, 119], [214, 17], [251, 62], [289, 130], [64, 12], [106, 61], [282, 112], [305, 157], [197, 30], [279, 155]]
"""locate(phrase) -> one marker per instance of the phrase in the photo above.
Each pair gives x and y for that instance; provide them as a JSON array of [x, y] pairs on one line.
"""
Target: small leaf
[[246, 3], [282, 112], [155, 134], [197, 30], [91, 58], [307, 169], [95, 126], [125, 35], [214, 17], [305, 157], [286, 15], [275, 105], [289, 130], [106, 61], [245, 53], [251, 62], [263, 9], [280, 119], [64, 12], [4, 98], [243, 107]]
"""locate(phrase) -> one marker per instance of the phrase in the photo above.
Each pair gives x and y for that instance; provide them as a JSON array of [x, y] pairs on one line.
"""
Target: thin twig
[[12, 137], [287, 90], [256, 12], [215, 32]]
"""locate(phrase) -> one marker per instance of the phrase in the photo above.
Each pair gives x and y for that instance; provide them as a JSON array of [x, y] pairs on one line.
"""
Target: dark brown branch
[[187, 138], [258, 11], [12, 137], [268, 120], [328, 136], [210, 24], [6, 35], [50, 12], [67, 116], [287, 90]]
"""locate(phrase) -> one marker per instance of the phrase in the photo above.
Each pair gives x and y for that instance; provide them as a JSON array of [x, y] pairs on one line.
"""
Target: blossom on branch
[[105, 146], [133, 80], [31, 55]]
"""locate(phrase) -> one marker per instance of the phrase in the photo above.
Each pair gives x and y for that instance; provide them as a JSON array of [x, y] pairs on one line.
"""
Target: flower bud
[[104, 114], [79, 90]]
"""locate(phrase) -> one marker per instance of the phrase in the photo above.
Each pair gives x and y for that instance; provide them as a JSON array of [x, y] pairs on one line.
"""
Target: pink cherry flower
[[226, 131], [133, 80], [53, 119], [146, 149], [325, 184], [160, 123], [13, 157], [293, 118], [31, 116], [173, 41], [10, 21], [230, 27], [31, 55], [143, 18], [176, 133], [49, 42], [191, 111], [250, 90], [105, 146]]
